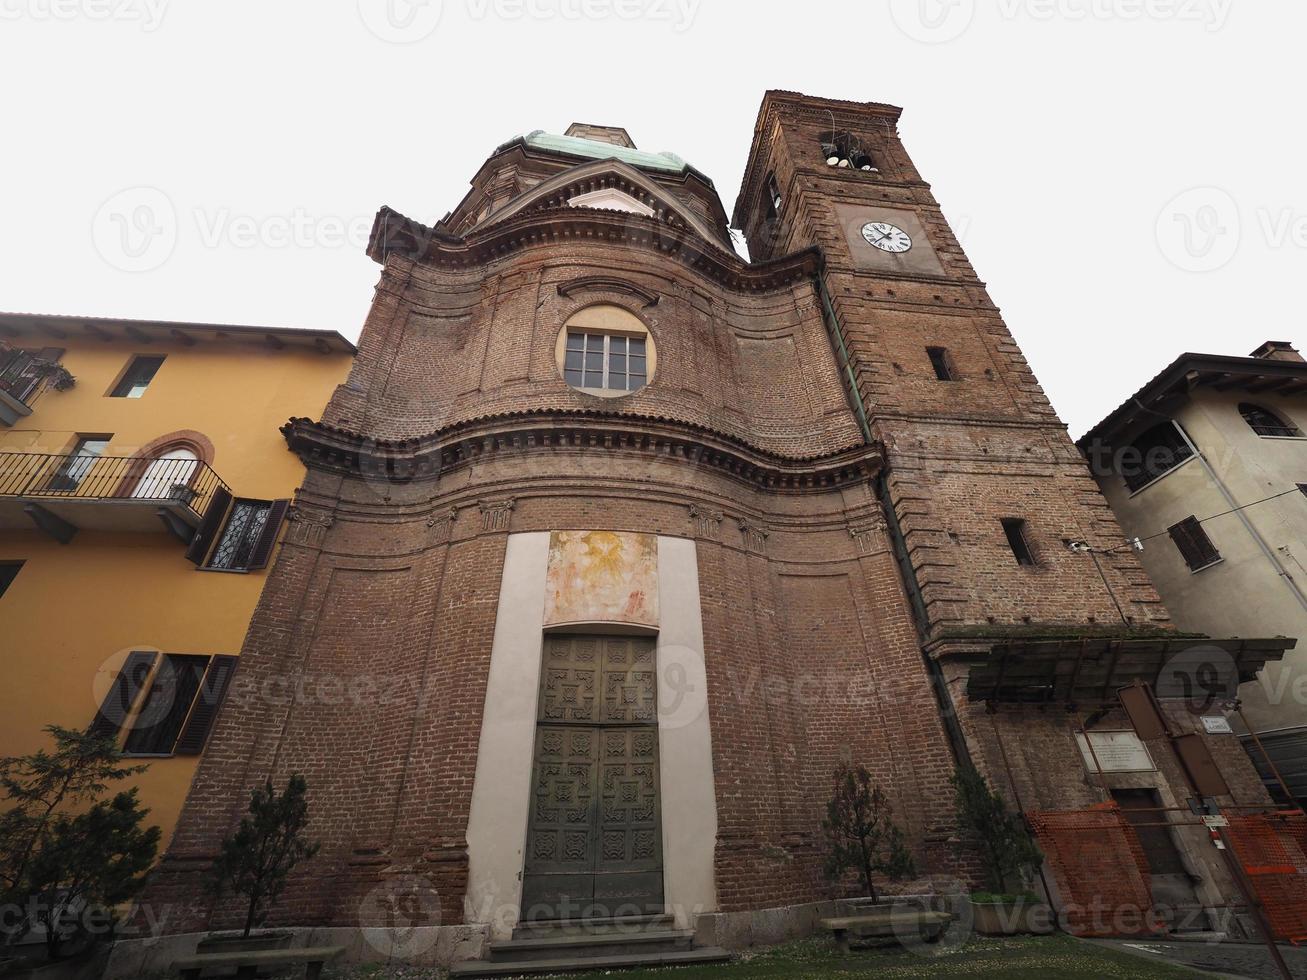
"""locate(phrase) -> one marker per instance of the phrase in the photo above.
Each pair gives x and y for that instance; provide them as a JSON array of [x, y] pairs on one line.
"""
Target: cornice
[[428, 457], [392, 233]]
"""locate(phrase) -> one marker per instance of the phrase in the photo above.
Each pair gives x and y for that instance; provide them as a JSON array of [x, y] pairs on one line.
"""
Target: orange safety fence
[[1102, 876], [1272, 848]]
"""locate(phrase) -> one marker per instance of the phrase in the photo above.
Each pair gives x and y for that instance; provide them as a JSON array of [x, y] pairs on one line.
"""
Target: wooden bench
[[247, 963], [887, 923]]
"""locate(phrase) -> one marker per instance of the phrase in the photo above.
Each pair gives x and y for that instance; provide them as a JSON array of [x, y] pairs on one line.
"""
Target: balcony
[[23, 375], [62, 494]]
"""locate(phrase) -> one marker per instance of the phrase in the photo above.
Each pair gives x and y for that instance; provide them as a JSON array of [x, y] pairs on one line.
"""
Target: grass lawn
[[1026, 958]]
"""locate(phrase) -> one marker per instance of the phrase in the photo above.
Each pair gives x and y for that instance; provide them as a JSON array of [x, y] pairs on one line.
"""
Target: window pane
[[594, 342], [594, 360], [634, 381], [573, 377], [617, 345], [617, 364], [241, 534], [637, 346], [8, 572], [576, 341], [91, 447], [137, 378], [594, 379], [572, 361], [636, 364], [169, 700]]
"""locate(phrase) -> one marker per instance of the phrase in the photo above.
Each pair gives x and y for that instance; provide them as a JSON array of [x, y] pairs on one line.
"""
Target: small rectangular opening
[[1015, 529], [140, 372], [8, 572], [939, 361]]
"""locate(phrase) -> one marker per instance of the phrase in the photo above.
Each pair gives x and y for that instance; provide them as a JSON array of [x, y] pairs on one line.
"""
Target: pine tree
[[1007, 851], [257, 859], [861, 834], [63, 871]]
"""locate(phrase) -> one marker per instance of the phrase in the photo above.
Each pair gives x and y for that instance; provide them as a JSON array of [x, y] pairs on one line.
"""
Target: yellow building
[[143, 483]]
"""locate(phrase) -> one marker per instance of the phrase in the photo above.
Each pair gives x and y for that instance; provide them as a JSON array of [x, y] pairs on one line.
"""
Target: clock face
[[886, 237]]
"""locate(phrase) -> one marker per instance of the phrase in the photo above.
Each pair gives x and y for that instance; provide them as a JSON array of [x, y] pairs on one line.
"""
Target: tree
[[861, 833], [62, 870], [257, 859], [1007, 850]]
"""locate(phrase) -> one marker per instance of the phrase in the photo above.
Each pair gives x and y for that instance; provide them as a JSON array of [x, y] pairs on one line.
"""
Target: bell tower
[[983, 482]]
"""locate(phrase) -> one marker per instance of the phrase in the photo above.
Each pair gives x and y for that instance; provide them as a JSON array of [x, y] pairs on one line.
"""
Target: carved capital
[[707, 523], [866, 533], [306, 525], [755, 536], [495, 514], [441, 524]]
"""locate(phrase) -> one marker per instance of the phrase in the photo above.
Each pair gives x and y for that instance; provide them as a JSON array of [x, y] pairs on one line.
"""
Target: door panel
[[594, 846], [1171, 884], [561, 846]]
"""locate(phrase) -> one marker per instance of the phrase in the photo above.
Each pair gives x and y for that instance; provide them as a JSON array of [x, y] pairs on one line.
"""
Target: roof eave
[[1176, 376]]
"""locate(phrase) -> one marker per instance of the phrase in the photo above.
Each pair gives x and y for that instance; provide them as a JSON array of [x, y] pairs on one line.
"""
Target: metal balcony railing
[[121, 478], [23, 373], [1263, 429]]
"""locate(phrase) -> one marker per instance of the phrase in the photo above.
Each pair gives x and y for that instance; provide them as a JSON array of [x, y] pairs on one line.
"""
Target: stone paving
[[1230, 959]]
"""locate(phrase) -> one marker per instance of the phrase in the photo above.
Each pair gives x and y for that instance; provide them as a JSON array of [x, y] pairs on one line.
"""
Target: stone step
[[572, 964], [590, 946], [592, 927]]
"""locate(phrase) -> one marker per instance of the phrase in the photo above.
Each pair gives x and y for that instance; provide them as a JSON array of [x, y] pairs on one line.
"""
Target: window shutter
[[1194, 545], [212, 691], [127, 687], [208, 530], [268, 537], [1183, 542]]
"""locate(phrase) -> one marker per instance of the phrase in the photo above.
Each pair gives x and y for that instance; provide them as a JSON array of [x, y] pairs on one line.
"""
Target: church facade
[[614, 546]]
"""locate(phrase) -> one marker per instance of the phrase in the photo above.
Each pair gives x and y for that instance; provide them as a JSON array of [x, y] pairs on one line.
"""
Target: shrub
[[861, 833]]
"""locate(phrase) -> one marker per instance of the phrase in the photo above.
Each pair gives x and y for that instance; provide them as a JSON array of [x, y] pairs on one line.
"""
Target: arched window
[[167, 474], [1265, 422], [1152, 454], [607, 351]]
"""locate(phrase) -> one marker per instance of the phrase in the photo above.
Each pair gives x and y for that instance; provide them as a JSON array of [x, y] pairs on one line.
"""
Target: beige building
[[1206, 466]]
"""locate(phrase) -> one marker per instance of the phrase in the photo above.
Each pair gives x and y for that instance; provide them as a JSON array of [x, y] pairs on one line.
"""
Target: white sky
[[1127, 175]]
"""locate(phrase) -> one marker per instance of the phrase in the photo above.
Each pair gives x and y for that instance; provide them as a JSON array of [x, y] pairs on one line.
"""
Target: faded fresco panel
[[602, 576]]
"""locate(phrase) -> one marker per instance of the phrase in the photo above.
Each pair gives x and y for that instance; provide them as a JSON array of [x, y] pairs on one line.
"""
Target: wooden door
[[594, 844]]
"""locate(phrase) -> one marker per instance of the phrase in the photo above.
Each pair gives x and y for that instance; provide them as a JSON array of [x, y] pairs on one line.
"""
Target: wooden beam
[[136, 333], [95, 330], [1271, 384], [53, 331], [321, 344], [274, 341], [1231, 381], [185, 338]]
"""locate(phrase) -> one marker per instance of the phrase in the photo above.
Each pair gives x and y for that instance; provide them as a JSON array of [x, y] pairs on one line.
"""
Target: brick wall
[[375, 630]]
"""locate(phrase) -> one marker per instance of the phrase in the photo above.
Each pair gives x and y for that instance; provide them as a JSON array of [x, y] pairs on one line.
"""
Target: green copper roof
[[598, 150]]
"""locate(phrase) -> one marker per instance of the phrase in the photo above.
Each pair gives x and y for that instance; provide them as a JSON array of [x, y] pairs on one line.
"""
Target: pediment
[[604, 185], [611, 199]]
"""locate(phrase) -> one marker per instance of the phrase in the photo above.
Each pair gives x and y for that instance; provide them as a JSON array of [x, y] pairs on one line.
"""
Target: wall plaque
[[1115, 751]]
